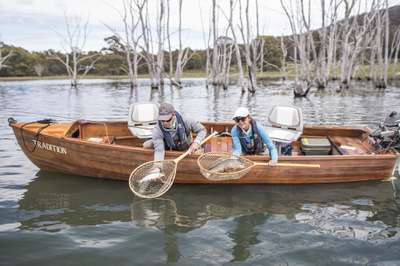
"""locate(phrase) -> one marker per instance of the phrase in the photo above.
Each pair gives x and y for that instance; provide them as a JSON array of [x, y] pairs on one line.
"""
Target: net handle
[[178, 159], [290, 165]]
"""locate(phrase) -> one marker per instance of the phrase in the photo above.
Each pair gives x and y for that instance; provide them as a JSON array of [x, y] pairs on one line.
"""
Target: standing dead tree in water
[[327, 42], [129, 40], [395, 52], [342, 45], [207, 46], [258, 43], [153, 54], [301, 39], [221, 53], [283, 68], [216, 75], [171, 57], [241, 80], [3, 59], [248, 42], [214, 58], [315, 50], [74, 59], [184, 54], [379, 61], [206, 40], [353, 39]]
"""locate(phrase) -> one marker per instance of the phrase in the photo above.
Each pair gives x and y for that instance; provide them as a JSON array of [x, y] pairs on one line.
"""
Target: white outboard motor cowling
[[142, 119]]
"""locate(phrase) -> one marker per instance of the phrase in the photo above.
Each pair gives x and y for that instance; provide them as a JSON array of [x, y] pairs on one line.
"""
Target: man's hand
[[194, 147], [272, 163]]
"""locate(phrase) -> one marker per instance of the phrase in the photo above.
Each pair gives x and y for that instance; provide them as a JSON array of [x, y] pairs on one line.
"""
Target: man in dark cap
[[174, 132]]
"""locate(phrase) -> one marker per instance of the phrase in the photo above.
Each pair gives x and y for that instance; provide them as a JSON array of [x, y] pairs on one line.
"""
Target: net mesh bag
[[152, 179], [217, 166]]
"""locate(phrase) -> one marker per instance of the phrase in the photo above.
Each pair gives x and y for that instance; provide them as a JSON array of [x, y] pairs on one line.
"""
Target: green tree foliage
[[272, 53], [20, 63]]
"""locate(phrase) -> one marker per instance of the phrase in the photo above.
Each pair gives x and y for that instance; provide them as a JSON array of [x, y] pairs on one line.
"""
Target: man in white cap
[[249, 136], [174, 132]]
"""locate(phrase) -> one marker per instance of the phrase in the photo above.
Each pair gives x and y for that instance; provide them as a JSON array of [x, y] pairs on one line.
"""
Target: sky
[[38, 25]]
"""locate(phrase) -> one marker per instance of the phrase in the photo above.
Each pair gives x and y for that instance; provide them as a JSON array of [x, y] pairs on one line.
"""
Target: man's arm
[[158, 142], [236, 146], [197, 128], [271, 147]]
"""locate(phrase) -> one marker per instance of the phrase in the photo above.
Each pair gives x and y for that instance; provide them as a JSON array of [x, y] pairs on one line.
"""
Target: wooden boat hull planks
[[108, 150]]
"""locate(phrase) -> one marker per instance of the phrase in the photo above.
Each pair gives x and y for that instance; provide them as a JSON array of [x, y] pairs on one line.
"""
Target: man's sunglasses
[[237, 119], [167, 121]]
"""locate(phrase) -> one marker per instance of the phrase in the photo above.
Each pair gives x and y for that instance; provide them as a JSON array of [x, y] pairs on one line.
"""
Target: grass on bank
[[361, 73]]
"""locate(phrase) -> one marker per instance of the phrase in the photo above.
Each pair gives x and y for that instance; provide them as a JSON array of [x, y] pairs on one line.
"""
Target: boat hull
[[57, 153]]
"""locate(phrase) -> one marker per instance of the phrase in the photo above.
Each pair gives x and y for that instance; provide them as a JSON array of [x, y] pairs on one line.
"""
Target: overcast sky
[[33, 24]]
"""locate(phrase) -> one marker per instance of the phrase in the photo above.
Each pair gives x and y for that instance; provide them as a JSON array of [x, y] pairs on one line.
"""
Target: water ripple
[[49, 217]]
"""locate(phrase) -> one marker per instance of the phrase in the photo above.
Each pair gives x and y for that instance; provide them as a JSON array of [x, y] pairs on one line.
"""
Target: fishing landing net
[[152, 179], [218, 166]]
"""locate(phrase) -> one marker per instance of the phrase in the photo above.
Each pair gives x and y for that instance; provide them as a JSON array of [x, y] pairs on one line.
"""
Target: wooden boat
[[109, 150]]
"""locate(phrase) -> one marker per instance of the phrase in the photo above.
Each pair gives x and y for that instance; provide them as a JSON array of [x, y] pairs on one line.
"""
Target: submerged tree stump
[[301, 89]]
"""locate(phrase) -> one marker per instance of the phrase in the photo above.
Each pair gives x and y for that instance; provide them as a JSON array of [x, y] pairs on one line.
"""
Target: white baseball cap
[[241, 112]]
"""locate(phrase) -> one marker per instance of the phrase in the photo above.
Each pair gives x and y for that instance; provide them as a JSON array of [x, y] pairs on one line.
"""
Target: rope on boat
[[47, 122]]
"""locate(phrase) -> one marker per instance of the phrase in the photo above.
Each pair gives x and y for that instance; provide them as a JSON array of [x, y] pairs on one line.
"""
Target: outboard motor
[[387, 135], [142, 119]]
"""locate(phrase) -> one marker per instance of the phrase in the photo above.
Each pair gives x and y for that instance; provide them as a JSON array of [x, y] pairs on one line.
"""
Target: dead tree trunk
[[283, 69], [154, 56], [247, 40], [302, 42], [241, 80], [394, 55], [221, 53], [129, 40], [215, 56], [171, 63], [74, 57], [3, 59], [207, 47], [184, 54]]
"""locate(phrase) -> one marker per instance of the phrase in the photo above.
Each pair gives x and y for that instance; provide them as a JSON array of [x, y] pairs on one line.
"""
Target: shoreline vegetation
[[261, 76]]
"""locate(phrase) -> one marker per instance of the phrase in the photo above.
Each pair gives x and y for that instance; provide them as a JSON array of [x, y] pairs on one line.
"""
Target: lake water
[[55, 219]]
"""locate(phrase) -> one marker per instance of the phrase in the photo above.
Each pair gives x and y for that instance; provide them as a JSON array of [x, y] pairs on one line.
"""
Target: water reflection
[[235, 216], [54, 202], [78, 201]]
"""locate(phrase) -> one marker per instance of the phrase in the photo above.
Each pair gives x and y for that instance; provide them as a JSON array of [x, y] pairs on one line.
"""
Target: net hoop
[[167, 183], [166, 169], [218, 176]]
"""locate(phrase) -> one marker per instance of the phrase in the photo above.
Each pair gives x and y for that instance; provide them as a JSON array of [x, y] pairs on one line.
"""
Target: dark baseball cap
[[165, 111]]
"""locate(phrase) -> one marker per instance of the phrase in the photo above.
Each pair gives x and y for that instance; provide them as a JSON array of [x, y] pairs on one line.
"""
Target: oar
[[153, 179]]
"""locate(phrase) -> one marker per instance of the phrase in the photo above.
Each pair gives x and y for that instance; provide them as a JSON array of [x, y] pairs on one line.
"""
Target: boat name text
[[49, 147]]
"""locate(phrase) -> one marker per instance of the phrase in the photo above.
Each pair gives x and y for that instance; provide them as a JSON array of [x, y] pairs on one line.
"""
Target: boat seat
[[285, 124], [219, 144], [142, 119], [348, 145]]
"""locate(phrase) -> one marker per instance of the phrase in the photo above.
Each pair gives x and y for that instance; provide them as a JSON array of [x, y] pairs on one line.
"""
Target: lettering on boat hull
[[49, 147]]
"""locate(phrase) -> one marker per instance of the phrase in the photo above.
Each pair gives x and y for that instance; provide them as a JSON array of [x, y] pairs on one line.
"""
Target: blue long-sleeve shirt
[[237, 148]]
